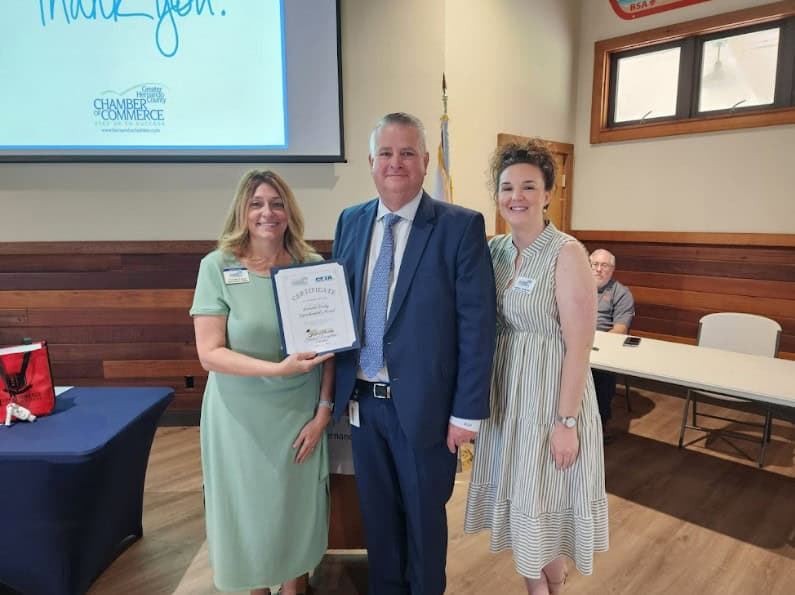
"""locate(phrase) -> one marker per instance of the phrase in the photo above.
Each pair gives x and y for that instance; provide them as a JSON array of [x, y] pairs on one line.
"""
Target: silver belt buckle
[[381, 391]]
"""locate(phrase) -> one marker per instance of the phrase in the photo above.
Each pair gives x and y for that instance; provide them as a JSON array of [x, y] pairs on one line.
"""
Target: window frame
[[615, 57], [691, 35], [779, 101]]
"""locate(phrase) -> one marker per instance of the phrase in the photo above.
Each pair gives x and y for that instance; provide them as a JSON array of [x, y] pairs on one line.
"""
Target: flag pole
[[444, 184], [444, 93]]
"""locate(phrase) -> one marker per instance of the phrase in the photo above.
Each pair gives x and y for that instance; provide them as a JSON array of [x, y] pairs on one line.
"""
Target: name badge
[[353, 413], [524, 284], [235, 276]]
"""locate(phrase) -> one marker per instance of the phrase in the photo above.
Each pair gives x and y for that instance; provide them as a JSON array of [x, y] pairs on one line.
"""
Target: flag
[[443, 187]]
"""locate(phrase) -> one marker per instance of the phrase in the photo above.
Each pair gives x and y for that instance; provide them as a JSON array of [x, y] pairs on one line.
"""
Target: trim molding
[[785, 240], [126, 247], [179, 417]]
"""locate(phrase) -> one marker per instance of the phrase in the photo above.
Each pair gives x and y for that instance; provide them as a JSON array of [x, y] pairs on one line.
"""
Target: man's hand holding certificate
[[314, 307]]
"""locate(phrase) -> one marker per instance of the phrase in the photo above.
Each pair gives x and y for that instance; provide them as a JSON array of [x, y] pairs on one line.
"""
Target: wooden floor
[[703, 520]]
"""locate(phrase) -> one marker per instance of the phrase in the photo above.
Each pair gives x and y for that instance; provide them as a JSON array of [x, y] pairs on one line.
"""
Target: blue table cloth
[[71, 487]]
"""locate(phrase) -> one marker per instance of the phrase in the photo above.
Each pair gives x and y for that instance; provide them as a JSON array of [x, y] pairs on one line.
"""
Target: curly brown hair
[[533, 151]]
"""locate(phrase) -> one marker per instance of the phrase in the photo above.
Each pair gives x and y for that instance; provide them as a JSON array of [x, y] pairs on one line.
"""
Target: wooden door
[[559, 211]]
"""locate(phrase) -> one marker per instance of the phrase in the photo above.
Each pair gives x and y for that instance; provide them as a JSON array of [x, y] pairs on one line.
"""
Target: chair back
[[743, 333]]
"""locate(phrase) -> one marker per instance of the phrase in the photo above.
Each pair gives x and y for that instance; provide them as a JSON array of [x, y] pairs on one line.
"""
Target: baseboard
[[179, 418]]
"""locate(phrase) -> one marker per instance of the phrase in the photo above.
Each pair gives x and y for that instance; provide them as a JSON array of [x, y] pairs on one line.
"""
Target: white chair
[[743, 333]]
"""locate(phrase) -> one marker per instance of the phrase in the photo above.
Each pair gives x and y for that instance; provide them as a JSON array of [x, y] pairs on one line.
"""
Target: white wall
[[734, 181], [510, 66]]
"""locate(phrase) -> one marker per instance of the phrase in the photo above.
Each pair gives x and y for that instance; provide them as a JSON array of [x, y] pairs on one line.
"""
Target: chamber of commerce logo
[[141, 108]]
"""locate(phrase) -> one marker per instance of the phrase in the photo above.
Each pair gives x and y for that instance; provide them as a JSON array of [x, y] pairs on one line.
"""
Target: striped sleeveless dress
[[515, 491]]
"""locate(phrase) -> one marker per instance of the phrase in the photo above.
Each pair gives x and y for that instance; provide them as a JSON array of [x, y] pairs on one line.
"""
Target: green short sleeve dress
[[266, 515]]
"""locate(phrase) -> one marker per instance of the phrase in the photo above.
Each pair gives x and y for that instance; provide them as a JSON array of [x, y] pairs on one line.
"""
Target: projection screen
[[170, 80]]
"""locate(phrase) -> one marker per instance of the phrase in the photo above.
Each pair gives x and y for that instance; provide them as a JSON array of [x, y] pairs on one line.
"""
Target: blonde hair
[[235, 237]]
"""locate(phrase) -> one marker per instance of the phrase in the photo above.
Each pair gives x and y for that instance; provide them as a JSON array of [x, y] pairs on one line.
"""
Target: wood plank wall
[[676, 278], [116, 313]]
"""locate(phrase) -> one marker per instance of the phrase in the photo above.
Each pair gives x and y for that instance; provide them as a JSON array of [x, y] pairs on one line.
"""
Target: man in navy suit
[[419, 386]]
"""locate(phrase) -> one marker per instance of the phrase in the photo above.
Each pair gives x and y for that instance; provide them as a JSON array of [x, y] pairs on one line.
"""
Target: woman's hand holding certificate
[[314, 307]]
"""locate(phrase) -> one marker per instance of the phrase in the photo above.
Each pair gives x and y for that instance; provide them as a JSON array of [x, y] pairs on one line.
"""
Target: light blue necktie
[[371, 357]]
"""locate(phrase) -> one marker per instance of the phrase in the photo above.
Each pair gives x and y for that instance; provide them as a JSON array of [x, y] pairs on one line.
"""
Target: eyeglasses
[[601, 265]]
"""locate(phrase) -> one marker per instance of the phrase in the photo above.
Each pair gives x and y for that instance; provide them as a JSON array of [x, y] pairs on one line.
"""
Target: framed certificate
[[314, 307]]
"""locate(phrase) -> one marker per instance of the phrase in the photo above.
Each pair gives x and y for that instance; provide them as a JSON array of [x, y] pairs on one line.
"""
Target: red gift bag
[[26, 378]]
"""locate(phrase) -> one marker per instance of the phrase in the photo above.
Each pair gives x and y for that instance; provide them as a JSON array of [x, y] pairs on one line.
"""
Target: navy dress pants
[[403, 491], [605, 385]]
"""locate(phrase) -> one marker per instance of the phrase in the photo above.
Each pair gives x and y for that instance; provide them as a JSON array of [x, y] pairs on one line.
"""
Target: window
[[725, 72], [738, 71], [646, 85]]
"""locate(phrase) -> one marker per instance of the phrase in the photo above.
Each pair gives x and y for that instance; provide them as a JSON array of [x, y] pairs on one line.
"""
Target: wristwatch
[[569, 422], [327, 404]]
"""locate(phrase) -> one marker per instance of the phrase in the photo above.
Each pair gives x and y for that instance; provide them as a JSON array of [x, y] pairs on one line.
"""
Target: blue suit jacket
[[440, 332]]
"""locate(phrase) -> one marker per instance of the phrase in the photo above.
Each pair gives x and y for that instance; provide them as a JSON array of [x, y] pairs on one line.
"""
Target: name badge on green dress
[[233, 276]]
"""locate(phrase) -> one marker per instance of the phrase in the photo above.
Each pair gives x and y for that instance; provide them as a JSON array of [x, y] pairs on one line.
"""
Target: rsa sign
[[632, 9]]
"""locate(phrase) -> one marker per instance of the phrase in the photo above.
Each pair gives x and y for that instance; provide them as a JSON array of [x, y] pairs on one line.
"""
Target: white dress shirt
[[400, 234]]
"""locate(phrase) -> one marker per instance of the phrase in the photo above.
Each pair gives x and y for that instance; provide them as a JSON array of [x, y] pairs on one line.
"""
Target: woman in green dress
[[264, 415]]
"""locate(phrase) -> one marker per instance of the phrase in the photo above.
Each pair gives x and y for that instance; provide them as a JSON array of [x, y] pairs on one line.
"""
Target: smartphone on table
[[631, 341]]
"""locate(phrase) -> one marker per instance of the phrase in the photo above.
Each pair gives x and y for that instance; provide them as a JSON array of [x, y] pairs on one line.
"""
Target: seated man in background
[[616, 308]]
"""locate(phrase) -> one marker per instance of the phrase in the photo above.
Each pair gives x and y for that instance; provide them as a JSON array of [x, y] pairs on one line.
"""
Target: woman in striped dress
[[538, 475]]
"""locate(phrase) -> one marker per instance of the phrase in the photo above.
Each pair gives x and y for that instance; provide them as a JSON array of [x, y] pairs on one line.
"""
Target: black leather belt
[[379, 390]]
